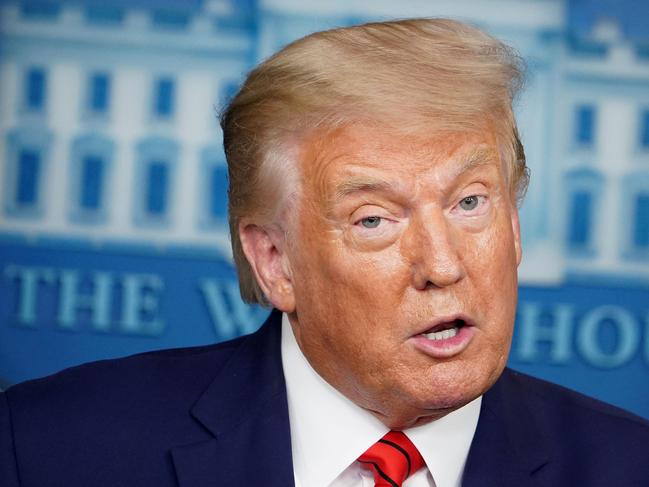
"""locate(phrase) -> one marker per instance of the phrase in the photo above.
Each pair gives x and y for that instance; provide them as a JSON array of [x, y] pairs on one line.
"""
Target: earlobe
[[265, 250]]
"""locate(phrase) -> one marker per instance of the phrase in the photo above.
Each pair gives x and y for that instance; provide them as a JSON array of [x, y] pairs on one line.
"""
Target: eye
[[469, 203], [371, 221]]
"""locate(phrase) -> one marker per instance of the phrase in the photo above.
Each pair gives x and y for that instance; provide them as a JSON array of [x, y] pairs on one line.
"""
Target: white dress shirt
[[329, 432]]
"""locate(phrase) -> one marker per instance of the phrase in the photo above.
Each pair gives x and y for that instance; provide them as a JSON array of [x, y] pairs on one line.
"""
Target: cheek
[[491, 254], [351, 275], [342, 294], [490, 263]]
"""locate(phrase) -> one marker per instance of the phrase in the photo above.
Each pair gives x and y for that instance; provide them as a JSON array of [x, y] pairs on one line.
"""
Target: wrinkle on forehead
[[344, 150], [361, 181]]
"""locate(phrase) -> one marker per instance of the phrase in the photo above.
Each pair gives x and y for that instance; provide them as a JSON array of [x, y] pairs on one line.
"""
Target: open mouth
[[445, 330], [446, 338]]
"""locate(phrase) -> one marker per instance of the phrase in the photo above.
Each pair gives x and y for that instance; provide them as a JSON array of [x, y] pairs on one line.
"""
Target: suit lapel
[[245, 409], [508, 447]]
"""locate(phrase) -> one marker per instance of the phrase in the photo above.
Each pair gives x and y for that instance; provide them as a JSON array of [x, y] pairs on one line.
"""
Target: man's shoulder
[[579, 430], [134, 375], [73, 425], [552, 402], [133, 395], [159, 380], [534, 429]]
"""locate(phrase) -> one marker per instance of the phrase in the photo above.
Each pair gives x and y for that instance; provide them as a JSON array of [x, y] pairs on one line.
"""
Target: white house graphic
[[109, 134]]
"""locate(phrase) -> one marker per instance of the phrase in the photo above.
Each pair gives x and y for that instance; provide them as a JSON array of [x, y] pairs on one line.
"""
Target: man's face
[[403, 268]]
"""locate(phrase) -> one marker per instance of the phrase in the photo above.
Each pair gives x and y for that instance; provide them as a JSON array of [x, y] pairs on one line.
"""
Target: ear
[[516, 229], [265, 250]]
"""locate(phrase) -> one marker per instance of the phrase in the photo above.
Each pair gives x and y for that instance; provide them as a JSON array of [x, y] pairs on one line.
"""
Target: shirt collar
[[445, 443], [329, 432]]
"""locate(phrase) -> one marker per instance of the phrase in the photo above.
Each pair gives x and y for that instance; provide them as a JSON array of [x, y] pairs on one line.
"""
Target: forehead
[[346, 157]]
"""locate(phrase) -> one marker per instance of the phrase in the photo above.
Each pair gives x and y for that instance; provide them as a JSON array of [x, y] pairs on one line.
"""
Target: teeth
[[442, 335]]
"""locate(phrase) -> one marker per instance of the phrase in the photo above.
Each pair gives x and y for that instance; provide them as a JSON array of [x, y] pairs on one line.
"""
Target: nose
[[434, 251]]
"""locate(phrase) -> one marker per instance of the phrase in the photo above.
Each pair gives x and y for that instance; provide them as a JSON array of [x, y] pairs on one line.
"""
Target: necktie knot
[[392, 459]]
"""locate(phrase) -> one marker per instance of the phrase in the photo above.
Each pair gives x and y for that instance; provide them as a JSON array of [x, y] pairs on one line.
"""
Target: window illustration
[[640, 238], [585, 187], [635, 214], [35, 86], [580, 219], [644, 129], [24, 172], [163, 97], [91, 159], [99, 88], [585, 121], [42, 10], [92, 176], [218, 179], [170, 19], [155, 178], [104, 15], [157, 187], [214, 193], [27, 176]]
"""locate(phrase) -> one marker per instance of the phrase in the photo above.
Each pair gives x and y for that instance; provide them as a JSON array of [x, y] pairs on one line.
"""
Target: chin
[[453, 387], [407, 417]]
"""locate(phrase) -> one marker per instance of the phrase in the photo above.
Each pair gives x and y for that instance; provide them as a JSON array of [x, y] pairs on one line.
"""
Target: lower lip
[[445, 348]]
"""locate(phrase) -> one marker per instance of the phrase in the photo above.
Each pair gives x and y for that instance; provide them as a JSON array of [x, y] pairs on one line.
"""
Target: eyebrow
[[361, 184], [478, 157]]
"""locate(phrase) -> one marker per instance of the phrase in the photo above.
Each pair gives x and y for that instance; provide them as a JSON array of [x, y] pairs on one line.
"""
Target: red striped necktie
[[392, 459]]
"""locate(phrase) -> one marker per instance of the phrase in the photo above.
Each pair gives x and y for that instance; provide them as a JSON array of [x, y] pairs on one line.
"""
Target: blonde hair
[[420, 74]]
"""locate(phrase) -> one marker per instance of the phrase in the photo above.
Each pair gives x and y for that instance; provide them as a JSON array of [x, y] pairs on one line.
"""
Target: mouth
[[446, 338], [445, 329]]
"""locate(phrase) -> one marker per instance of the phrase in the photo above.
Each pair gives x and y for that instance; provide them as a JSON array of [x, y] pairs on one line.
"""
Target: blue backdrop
[[113, 235]]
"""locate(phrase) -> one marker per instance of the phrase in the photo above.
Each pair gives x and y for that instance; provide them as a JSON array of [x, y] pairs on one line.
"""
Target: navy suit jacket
[[218, 416]]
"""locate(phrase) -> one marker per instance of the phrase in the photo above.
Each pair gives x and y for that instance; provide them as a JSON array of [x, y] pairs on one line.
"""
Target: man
[[375, 173]]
